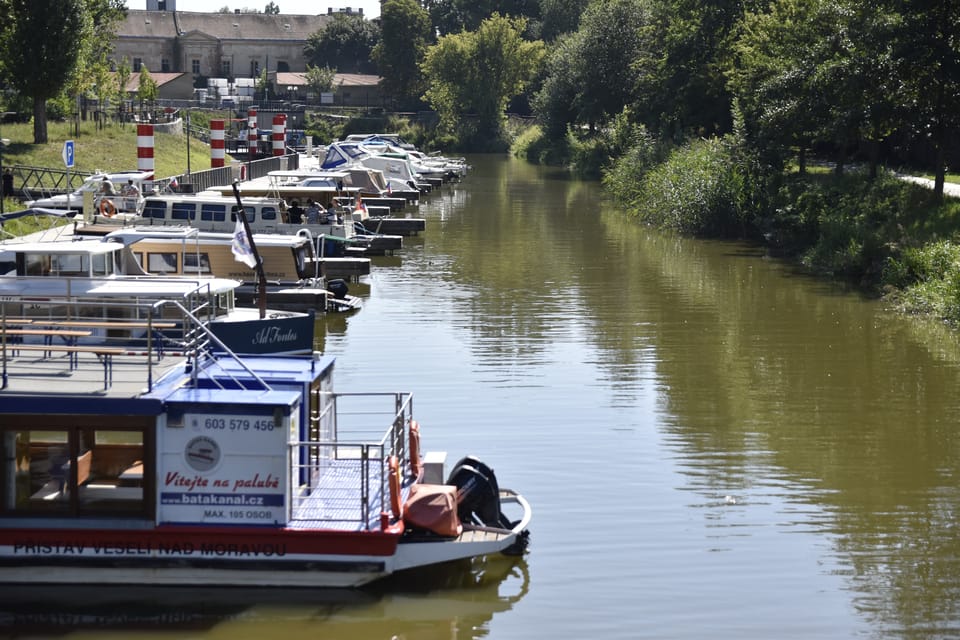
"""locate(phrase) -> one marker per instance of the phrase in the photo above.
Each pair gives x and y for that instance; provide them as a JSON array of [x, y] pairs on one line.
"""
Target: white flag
[[242, 250]]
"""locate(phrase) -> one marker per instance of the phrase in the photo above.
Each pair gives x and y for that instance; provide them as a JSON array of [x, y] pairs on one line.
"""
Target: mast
[[261, 276]]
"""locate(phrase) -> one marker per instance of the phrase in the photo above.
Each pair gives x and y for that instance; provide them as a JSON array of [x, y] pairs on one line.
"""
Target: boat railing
[[153, 330], [345, 465]]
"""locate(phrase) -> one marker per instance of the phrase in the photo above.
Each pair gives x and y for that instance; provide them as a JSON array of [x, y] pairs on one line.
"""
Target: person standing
[[296, 213], [7, 183], [313, 213]]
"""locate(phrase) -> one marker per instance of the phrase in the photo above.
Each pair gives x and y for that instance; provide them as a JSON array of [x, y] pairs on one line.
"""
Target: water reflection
[[454, 601]]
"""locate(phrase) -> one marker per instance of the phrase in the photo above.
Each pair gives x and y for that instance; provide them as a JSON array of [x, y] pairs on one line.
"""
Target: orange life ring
[[395, 505], [415, 464], [107, 208]]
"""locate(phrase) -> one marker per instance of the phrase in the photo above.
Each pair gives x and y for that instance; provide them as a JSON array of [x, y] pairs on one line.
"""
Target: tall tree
[[147, 90], [38, 64], [453, 16], [345, 43], [589, 78], [818, 71], [927, 51], [681, 88], [406, 35], [320, 79], [272, 9], [560, 16], [478, 72]]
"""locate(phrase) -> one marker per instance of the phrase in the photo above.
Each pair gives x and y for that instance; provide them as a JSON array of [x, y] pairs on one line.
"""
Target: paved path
[[951, 189]]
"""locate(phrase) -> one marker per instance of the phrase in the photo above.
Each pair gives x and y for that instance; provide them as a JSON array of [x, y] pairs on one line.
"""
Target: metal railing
[[350, 440]]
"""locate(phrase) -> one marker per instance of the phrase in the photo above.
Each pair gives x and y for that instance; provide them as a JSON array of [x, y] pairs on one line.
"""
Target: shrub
[[699, 190]]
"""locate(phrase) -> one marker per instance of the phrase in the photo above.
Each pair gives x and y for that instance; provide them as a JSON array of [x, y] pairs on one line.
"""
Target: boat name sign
[[222, 468]]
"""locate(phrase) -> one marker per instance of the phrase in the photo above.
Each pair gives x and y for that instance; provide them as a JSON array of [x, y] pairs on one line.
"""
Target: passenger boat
[[96, 289], [297, 278], [219, 470], [211, 211]]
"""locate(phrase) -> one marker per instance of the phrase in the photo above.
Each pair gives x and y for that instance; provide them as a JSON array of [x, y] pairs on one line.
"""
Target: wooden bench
[[57, 486], [114, 324], [104, 354]]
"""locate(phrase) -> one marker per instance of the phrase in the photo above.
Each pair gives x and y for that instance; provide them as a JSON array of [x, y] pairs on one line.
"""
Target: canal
[[714, 444]]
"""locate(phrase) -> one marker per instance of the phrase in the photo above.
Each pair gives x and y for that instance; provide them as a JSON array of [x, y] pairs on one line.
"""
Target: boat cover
[[433, 507]]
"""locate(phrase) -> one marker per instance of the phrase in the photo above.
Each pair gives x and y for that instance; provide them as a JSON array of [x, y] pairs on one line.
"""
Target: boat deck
[[336, 502], [81, 373]]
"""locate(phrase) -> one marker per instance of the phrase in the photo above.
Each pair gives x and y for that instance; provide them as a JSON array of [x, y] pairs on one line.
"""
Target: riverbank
[[890, 236]]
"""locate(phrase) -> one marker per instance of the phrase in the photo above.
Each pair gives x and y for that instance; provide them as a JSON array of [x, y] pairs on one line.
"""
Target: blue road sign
[[67, 154]]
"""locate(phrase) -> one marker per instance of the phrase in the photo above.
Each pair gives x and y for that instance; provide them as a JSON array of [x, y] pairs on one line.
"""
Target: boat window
[[36, 265], [77, 470], [268, 213], [213, 212], [154, 209], [162, 263], [72, 264], [103, 264], [183, 211], [196, 263]]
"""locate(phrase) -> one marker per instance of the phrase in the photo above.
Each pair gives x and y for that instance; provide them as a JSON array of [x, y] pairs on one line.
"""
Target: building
[[206, 46], [215, 44]]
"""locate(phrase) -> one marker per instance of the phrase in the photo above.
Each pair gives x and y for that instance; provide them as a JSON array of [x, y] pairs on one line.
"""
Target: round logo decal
[[202, 453]]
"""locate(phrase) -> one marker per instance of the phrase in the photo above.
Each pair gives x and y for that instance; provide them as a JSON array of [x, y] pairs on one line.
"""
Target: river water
[[714, 445]]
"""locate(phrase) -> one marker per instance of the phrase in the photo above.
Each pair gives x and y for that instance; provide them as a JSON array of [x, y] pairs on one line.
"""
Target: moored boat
[[97, 288], [227, 471], [297, 279]]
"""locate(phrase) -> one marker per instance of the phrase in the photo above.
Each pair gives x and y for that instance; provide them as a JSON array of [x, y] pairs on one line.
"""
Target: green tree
[[272, 9], [559, 17], [263, 85], [452, 16], [927, 54], [123, 77], [588, 79], [684, 49], [345, 43], [772, 77], [320, 79], [36, 63], [406, 36], [557, 102], [822, 72], [478, 72], [147, 88]]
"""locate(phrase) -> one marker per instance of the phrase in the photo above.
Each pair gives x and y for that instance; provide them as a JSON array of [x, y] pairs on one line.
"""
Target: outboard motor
[[338, 288], [478, 494]]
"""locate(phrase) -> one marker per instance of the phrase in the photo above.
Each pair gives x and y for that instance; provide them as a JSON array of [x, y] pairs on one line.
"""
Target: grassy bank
[[112, 148], [890, 237]]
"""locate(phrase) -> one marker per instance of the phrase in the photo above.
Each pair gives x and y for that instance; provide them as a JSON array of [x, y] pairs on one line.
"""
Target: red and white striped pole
[[252, 132], [145, 154], [278, 134], [217, 145]]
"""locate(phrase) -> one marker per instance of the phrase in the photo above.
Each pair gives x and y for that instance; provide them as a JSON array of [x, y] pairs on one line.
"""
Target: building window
[[254, 68], [225, 68], [283, 66], [195, 67], [165, 65], [137, 63]]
